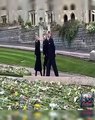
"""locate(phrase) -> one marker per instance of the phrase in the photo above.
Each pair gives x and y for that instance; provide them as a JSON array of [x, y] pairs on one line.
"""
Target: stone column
[[49, 29], [41, 30], [86, 10]]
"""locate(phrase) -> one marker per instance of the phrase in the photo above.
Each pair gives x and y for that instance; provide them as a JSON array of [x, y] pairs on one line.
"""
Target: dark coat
[[51, 49], [51, 58], [45, 47], [38, 65]]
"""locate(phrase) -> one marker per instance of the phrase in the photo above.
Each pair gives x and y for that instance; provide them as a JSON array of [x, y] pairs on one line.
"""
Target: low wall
[[17, 35], [83, 41]]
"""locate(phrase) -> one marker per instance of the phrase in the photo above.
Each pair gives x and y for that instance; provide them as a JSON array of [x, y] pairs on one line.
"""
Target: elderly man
[[51, 56], [45, 53]]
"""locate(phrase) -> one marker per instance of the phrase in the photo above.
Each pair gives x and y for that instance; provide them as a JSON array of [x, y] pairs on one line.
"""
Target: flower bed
[[45, 115], [8, 70], [21, 94]]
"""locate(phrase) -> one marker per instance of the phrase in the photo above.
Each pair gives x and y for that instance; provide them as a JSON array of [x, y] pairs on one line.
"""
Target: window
[[72, 16], [72, 7], [93, 18], [65, 18], [32, 16], [4, 19], [89, 16], [65, 8], [50, 16]]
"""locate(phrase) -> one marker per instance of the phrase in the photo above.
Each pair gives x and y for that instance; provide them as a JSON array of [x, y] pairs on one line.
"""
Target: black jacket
[[37, 48], [45, 47], [38, 65], [51, 49]]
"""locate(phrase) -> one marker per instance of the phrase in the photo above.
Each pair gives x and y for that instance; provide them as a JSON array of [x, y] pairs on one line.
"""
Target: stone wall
[[17, 35], [83, 41], [28, 36], [58, 41]]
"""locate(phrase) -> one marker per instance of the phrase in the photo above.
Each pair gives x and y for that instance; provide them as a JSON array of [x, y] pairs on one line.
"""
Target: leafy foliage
[[29, 24], [8, 70], [17, 93], [69, 30], [91, 27], [55, 26]]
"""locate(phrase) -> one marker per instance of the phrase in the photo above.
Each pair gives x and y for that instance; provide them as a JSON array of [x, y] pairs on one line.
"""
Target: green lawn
[[65, 64]]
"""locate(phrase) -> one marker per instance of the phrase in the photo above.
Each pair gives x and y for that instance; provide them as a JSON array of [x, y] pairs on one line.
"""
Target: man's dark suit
[[45, 53], [51, 58]]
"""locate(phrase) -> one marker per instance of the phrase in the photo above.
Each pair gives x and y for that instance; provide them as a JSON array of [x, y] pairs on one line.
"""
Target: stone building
[[47, 10]]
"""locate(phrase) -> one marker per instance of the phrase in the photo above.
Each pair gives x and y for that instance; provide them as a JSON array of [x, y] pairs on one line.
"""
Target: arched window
[[72, 7], [65, 7], [72, 16], [93, 17], [65, 18]]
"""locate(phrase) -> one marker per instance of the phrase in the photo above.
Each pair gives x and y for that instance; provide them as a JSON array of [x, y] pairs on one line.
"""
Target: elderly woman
[[38, 65]]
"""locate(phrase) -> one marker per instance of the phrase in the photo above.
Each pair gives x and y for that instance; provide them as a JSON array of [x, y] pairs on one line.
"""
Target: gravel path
[[65, 78], [61, 74]]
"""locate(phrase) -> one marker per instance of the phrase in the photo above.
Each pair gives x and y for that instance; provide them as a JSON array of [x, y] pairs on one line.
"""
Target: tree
[[68, 31]]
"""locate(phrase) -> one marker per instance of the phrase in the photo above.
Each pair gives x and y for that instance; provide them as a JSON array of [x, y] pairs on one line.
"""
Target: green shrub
[[29, 24], [68, 31], [91, 27], [55, 26], [23, 26]]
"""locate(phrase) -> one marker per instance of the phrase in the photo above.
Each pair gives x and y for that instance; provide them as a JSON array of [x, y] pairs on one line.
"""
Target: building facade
[[58, 11]]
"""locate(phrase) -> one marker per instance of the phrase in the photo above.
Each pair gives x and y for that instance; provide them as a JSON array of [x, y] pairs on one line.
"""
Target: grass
[[64, 63]]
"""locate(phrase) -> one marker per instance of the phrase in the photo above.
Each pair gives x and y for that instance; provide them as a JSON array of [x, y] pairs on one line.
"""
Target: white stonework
[[92, 55], [32, 10]]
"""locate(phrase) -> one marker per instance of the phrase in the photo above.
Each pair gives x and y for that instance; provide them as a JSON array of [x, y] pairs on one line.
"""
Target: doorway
[[65, 18], [72, 16]]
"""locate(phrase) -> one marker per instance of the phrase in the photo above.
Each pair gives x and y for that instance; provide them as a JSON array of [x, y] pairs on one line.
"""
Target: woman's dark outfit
[[38, 65]]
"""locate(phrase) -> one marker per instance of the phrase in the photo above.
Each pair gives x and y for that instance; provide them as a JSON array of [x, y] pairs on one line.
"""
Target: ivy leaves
[[68, 31]]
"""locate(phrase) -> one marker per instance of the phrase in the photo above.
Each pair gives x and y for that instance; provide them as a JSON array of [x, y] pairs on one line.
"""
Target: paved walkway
[[64, 78], [61, 74], [74, 54], [74, 80]]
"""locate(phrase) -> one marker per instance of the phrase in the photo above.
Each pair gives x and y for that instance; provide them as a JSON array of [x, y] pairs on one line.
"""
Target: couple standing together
[[49, 56]]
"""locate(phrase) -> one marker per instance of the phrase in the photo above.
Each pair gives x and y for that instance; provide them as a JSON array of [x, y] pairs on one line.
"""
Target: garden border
[[74, 80]]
